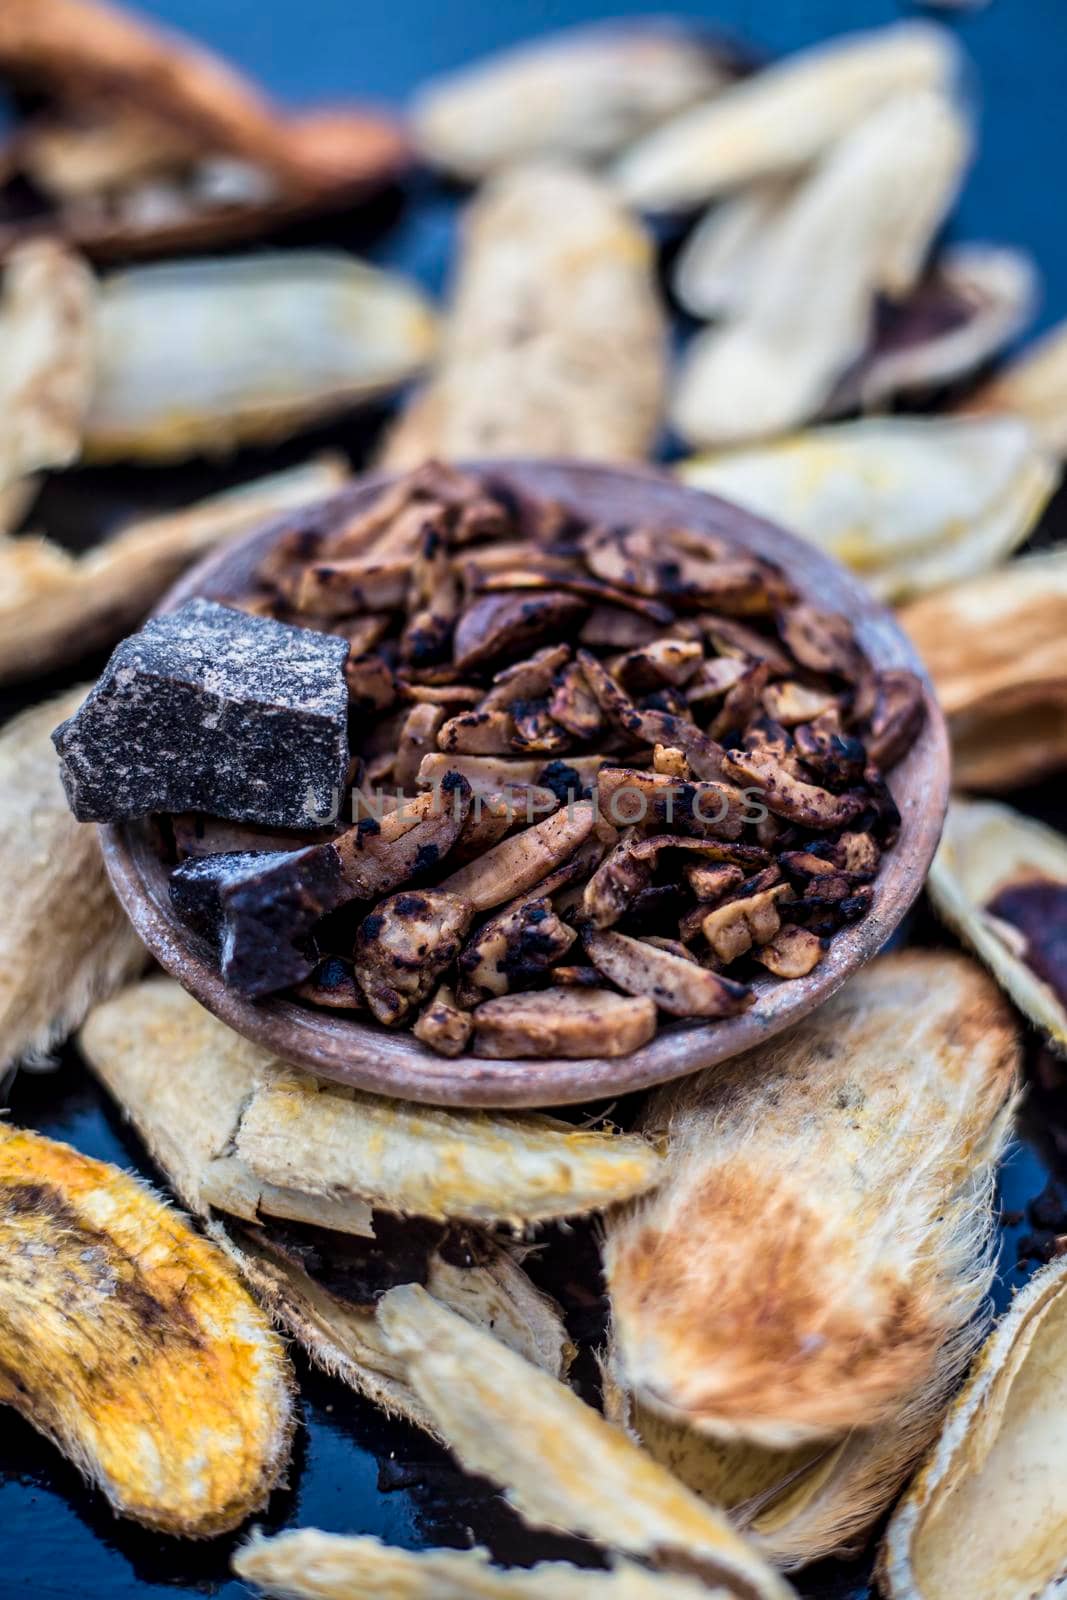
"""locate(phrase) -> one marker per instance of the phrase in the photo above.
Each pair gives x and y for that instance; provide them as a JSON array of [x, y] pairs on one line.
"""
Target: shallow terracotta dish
[[395, 1063]]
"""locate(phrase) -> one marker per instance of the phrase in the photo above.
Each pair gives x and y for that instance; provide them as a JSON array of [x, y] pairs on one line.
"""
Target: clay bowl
[[394, 1063]]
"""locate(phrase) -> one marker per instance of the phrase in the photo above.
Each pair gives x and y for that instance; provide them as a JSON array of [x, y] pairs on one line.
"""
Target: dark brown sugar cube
[[210, 709], [260, 910]]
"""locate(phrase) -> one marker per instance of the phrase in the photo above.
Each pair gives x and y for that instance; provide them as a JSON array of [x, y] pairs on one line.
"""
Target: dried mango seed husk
[[1032, 385], [784, 118], [550, 245], [815, 1500], [46, 328], [909, 503], [237, 1130], [535, 1438], [184, 368], [583, 93], [69, 942], [128, 1341], [994, 647], [56, 606], [860, 225], [536, 855], [999, 880], [905, 1077], [310, 1565], [987, 1514], [149, 143], [312, 1252]]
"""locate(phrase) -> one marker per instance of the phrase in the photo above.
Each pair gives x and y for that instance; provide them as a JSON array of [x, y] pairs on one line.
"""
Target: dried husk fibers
[[824, 1229]]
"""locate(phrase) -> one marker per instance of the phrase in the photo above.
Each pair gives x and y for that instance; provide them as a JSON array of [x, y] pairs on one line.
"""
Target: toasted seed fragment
[[784, 118], [999, 879], [185, 1080], [792, 952], [1033, 386], [733, 928], [443, 1024], [553, 246], [844, 1174], [309, 1565], [128, 1342], [180, 359], [502, 626], [569, 1022], [583, 93], [65, 940], [987, 1513], [676, 984], [513, 948], [46, 329], [536, 1439], [910, 503], [995, 649], [403, 944], [516, 864], [490, 776], [787, 796], [861, 224], [56, 607]]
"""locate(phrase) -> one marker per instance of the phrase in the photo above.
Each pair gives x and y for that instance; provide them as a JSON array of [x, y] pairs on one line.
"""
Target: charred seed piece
[[332, 985], [522, 861], [208, 709], [526, 680], [822, 641], [477, 733], [732, 929], [371, 685], [421, 728], [898, 715], [443, 1025], [503, 626], [792, 953], [676, 984], [403, 944], [788, 796], [570, 1022], [512, 949], [260, 910], [574, 706]]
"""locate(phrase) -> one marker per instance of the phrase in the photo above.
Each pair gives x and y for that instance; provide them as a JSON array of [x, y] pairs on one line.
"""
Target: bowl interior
[[384, 1062]]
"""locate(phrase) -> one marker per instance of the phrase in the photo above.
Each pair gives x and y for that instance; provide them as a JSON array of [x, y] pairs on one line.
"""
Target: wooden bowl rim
[[381, 1061]]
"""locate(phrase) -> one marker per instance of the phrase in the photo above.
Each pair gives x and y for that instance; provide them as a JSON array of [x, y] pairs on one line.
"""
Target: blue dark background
[[352, 1470]]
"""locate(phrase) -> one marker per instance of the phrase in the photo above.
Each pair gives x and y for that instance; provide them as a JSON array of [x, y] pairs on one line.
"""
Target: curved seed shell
[[537, 1439], [200, 356], [860, 225], [782, 119], [715, 268], [129, 1342], [841, 1175], [910, 503], [311, 1565], [584, 93], [999, 880], [972, 303], [987, 1515], [552, 248]]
